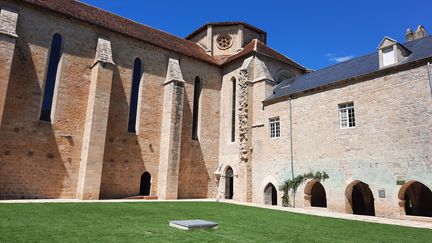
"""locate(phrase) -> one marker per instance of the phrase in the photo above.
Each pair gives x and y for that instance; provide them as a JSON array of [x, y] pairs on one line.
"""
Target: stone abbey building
[[95, 106]]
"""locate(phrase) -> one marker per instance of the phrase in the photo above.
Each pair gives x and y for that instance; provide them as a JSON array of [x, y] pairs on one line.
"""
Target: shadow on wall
[[193, 174], [123, 159], [31, 165]]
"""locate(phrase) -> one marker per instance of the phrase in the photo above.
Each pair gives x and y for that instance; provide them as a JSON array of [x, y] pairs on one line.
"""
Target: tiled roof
[[113, 22], [256, 46], [357, 67]]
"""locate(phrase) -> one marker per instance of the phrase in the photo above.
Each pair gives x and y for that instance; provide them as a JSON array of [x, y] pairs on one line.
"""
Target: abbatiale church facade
[[95, 106]]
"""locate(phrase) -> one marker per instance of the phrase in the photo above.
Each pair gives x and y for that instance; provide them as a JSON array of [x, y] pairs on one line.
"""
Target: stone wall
[[42, 160], [229, 155], [390, 143]]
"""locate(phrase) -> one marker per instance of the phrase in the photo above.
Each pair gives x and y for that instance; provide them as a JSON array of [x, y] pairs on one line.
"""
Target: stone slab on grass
[[193, 224]]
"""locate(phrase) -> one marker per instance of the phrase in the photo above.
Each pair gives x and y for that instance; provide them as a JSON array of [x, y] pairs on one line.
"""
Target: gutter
[[430, 76], [291, 146]]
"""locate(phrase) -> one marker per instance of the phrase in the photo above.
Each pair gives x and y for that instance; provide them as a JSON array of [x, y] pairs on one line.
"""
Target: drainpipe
[[430, 77], [291, 144]]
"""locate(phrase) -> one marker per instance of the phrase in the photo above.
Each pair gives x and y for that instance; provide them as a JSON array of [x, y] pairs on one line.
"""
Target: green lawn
[[138, 222]]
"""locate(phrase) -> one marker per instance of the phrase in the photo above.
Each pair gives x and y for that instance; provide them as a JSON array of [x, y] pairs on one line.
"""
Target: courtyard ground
[[148, 221]]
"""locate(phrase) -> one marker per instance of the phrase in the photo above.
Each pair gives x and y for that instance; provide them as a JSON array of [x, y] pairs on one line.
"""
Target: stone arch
[[229, 182], [270, 195], [315, 194], [359, 199], [267, 180], [415, 199], [283, 74], [145, 184]]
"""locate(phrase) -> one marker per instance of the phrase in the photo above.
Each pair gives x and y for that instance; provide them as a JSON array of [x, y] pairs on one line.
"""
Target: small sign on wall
[[381, 193], [400, 182]]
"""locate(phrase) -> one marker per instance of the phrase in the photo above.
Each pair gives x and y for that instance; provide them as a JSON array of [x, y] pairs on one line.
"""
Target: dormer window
[[388, 56], [391, 52]]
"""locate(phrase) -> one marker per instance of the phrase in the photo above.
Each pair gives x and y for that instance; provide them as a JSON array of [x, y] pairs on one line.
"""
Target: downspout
[[430, 77], [291, 144]]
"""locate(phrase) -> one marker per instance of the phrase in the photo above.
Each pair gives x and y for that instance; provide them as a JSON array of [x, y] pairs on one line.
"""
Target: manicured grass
[[148, 221]]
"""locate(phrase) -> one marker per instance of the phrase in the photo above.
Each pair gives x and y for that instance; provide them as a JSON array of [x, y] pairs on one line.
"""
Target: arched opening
[[233, 108], [416, 198], [133, 109], [145, 184], [196, 98], [51, 77], [229, 183], [360, 198], [318, 195], [270, 195]]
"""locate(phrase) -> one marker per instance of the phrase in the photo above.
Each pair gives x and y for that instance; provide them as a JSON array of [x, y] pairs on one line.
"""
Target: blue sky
[[314, 33]]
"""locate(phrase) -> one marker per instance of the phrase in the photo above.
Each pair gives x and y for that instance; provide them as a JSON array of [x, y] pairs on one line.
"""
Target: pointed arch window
[[233, 108], [51, 76], [133, 109], [196, 98]]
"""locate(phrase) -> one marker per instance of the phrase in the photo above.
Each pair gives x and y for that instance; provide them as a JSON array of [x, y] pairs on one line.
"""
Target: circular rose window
[[224, 41]]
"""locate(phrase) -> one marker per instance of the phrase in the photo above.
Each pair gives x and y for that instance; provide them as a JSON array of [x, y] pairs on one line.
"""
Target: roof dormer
[[391, 52]]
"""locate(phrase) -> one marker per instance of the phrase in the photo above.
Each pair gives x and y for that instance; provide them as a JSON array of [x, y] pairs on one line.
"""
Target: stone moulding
[[8, 23], [174, 73], [103, 52]]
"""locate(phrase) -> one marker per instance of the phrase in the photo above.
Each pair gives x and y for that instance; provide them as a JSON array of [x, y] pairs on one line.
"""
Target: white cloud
[[342, 59], [336, 58]]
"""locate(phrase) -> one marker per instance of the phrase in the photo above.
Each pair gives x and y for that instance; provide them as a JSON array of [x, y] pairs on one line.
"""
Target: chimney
[[409, 35], [414, 35], [420, 32]]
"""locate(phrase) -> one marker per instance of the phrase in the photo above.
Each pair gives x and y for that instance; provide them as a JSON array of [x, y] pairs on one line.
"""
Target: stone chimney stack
[[409, 35], [414, 35]]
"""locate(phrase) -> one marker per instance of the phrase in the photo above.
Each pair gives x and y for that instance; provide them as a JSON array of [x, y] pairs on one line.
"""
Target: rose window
[[224, 41]]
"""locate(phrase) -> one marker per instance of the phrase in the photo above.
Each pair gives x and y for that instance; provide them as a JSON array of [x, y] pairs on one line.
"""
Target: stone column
[[172, 117], [93, 146], [8, 38]]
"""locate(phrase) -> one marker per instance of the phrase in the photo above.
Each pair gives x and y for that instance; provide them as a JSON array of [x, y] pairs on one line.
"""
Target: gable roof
[[357, 67]]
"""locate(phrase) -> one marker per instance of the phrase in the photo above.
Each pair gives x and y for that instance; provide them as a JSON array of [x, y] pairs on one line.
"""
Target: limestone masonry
[[95, 106]]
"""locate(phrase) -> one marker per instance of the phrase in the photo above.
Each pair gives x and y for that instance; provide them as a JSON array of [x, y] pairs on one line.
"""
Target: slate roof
[[368, 64]]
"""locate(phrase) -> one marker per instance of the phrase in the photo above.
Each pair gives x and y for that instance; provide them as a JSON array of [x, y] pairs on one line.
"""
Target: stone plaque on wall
[[381, 193]]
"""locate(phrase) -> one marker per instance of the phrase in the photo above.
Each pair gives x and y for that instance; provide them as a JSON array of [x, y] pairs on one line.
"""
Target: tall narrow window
[[196, 98], [136, 78], [53, 63], [346, 115], [233, 109]]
